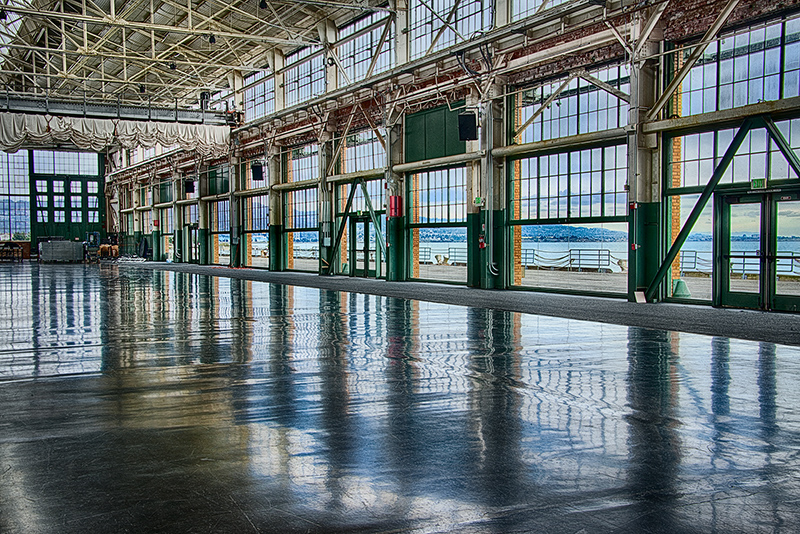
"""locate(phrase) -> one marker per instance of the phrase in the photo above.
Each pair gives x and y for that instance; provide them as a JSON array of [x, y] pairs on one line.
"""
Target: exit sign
[[758, 183]]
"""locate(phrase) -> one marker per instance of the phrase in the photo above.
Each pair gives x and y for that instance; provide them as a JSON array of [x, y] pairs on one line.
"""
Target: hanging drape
[[17, 129]]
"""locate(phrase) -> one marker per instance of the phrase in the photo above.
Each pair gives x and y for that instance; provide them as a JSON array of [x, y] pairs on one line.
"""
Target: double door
[[192, 248], [363, 250], [757, 250]]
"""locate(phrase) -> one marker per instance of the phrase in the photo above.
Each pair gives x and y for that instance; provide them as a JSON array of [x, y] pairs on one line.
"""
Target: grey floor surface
[[742, 324]]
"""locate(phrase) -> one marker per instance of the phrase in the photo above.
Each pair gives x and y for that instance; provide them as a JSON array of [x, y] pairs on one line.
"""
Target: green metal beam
[[783, 145], [340, 233], [748, 124], [377, 223]]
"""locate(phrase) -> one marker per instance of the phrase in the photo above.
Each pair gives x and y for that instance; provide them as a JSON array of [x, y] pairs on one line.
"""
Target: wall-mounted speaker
[[188, 185], [257, 171], [467, 126]]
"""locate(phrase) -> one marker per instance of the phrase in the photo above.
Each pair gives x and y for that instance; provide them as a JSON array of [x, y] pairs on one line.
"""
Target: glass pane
[[744, 264], [257, 249], [303, 251], [359, 247], [694, 263], [788, 235], [581, 257]]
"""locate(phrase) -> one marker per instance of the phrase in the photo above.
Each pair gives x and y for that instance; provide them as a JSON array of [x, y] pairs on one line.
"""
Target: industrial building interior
[[408, 266]]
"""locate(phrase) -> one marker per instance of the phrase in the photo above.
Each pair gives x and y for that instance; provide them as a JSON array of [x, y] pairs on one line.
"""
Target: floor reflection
[[161, 401]]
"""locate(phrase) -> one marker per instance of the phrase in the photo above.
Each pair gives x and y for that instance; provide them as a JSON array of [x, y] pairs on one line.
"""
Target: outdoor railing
[[570, 260]]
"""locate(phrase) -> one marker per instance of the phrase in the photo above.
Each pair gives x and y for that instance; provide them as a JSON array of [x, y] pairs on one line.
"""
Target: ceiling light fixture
[[212, 39], [172, 66], [263, 4], [4, 15]]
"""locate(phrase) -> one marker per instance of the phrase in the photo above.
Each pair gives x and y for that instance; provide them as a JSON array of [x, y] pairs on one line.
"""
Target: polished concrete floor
[[139, 400]]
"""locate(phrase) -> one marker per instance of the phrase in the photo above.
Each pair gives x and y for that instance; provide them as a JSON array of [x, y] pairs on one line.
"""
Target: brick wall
[[677, 110]]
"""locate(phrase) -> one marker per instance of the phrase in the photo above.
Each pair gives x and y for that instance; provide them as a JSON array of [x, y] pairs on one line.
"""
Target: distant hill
[[545, 233], [699, 236], [562, 233], [551, 233]]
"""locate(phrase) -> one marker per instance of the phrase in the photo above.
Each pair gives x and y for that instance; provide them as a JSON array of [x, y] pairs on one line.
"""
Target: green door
[[785, 261], [67, 207], [361, 256], [192, 248], [757, 250]]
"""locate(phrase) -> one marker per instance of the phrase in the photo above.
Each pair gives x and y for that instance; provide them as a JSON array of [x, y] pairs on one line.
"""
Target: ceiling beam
[[341, 5], [113, 21]]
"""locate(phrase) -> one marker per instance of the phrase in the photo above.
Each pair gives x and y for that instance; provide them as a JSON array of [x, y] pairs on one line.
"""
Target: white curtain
[[17, 130]]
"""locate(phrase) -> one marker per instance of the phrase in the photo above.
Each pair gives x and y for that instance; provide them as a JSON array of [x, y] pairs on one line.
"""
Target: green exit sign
[[758, 183]]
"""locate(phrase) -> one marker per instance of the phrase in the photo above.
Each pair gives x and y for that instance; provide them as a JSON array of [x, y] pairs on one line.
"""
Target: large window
[[15, 198], [259, 97], [580, 108], [525, 8], [356, 54], [571, 185], [219, 180], [305, 75], [69, 163], [435, 22], [249, 182], [146, 196], [300, 221], [568, 213], [695, 156], [165, 191], [300, 212], [438, 215], [190, 214], [303, 164], [745, 67], [363, 152], [167, 226], [256, 231], [219, 214]]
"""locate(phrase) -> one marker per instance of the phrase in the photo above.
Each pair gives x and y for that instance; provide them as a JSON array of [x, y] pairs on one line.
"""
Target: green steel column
[[475, 258], [276, 248], [179, 254], [395, 248], [276, 262], [325, 202], [397, 262], [644, 176], [476, 187], [501, 251], [137, 239], [644, 251], [156, 246], [480, 256], [202, 232], [236, 202], [491, 258], [203, 237], [177, 246]]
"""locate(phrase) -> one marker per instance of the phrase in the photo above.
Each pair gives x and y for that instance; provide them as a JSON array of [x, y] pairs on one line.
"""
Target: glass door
[[742, 251], [360, 228], [757, 250], [785, 261], [192, 244]]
